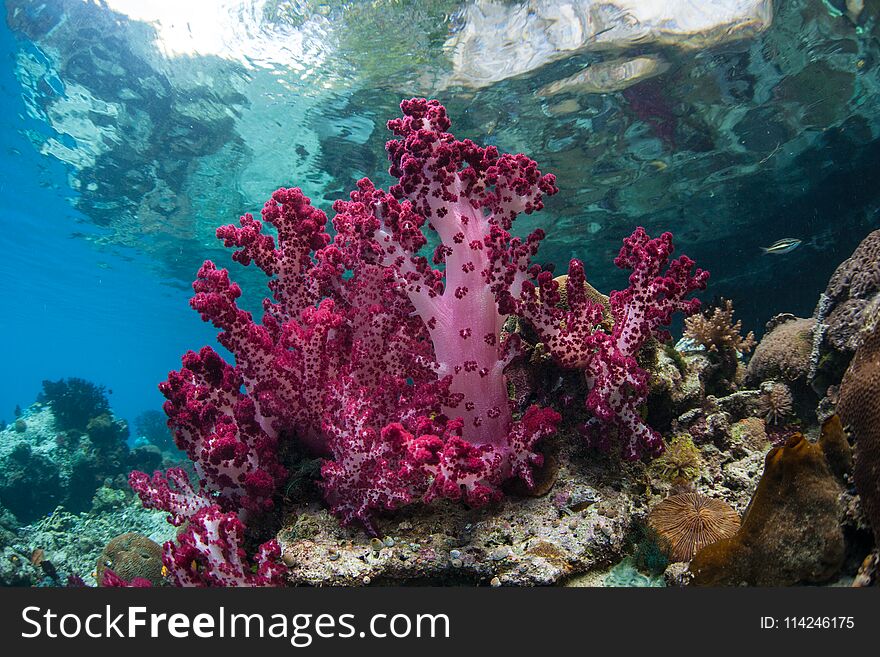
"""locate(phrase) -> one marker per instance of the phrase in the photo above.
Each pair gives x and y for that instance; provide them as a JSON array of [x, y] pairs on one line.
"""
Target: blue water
[[70, 309], [126, 140]]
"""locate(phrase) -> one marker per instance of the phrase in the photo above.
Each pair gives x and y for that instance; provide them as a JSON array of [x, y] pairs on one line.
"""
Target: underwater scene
[[496, 293]]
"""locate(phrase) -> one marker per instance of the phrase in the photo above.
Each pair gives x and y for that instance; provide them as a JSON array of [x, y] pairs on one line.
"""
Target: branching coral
[[718, 332]]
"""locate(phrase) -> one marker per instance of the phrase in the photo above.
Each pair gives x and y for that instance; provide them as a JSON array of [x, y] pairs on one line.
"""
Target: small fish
[[785, 245], [38, 556], [49, 569]]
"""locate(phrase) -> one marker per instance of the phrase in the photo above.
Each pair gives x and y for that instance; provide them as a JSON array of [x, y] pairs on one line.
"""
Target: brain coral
[[131, 555], [791, 531], [859, 409], [784, 352], [690, 521]]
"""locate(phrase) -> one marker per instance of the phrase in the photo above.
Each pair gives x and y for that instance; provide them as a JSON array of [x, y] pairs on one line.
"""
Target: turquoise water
[[130, 134]]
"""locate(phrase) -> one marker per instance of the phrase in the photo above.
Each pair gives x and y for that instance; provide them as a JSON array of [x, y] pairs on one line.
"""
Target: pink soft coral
[[389, 367], [617, 385]]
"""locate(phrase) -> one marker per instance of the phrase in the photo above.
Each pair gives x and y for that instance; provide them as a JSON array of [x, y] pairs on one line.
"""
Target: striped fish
[[785, 245]]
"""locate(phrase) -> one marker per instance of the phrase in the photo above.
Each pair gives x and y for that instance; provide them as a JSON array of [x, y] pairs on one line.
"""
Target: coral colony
[[389, 362]]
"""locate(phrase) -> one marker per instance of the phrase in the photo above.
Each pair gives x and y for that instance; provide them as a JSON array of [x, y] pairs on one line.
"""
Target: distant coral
[[74, 402], [859, 409], [30, 483], [776, 403], [131, 556], [784, 352], [153, 426], [690, 521], [717, 331], [791, 531]]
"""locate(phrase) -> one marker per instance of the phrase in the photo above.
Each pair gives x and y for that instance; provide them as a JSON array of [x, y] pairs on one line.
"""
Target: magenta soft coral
[[617, 385], [387, 364], [389, 367]]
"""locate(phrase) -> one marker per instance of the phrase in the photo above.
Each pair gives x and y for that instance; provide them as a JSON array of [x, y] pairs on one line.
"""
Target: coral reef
[[859, 409], [30, 483], [784, 352], [74, 402], [850, 301], [41, 468], [130, 556], [724, 343], [689, 521], [791, 532], [64, 545]]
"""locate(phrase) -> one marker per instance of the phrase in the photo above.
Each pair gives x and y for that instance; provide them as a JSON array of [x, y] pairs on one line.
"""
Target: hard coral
[[74, 402], [679, 462], [791, 531], [689, 521], [851, 300], [784, 352], [841, 309], [750, 433], [859, 409], [776, 403], [717, 332], [131, 556]]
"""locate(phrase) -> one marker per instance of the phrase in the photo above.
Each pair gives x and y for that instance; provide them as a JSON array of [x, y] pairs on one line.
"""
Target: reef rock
[[791, 531], [851, 300], [859, 409], [579, 526]]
